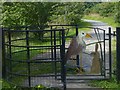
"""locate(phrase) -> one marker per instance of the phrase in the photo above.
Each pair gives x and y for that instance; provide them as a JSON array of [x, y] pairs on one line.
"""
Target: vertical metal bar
[[52, 64], [98, 38], [104, 54], [103, 71], [100, 44], [63, 60], [76, 30], [55, 53], [110, 54], [3, 54], [118, 54], [77, 57], [28, 56], [50, 27], [51, 43], [10, 53], [59, 38]]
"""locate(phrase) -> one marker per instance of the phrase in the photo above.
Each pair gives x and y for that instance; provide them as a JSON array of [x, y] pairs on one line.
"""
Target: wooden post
[[118, 53]]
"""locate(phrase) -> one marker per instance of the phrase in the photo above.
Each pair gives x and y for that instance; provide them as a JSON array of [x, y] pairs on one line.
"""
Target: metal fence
[[29, 61], [25, 61]]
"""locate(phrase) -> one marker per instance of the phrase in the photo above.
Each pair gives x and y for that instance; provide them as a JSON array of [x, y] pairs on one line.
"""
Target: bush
[[104, 9]]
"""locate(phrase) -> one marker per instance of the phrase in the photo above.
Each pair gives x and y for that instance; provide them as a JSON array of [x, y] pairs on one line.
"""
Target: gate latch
[[114, 33]]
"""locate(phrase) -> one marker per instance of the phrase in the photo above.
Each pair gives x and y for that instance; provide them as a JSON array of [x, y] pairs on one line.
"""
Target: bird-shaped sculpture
[[76, 47]]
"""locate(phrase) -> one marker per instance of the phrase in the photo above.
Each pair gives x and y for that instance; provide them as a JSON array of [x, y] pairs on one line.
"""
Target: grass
[[8, 86], [84, 24], [109, 20], [106, 84]]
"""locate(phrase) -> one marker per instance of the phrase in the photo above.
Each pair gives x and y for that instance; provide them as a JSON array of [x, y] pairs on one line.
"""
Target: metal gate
[[104, 41], [30, 61], [43, 63]]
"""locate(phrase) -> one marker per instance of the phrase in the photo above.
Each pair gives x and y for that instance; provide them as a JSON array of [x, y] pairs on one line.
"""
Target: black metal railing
[[26, 57], [118, 54], [23, 62]]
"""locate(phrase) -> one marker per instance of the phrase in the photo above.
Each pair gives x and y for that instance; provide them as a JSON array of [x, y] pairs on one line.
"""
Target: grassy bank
[[109, 20]]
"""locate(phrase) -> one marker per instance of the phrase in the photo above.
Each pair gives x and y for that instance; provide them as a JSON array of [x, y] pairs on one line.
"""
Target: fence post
[[77, 57], [28, 56], [55, 64], [118, 53], [63, 60], [3, 71], [110, 54]]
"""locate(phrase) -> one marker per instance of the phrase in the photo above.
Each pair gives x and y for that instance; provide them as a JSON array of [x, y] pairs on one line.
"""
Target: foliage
[[106, 9], [88, 6], [106, 84], [41, 13], [26, 13], [7, 86], [117, 15], [68, 13]]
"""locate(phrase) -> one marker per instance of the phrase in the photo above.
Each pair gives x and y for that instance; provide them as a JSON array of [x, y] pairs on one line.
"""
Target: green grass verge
[[109, 20], [84, 24], [8, 86], [106, 84]]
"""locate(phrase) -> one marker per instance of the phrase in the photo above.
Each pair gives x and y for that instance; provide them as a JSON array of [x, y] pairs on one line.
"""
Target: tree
[[68, 13], [88, 6], [26, 14], [117, 15]]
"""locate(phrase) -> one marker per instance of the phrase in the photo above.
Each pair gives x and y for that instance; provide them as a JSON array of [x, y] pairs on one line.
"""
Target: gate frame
[[63, 50], [110, 53], [118, 54]]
